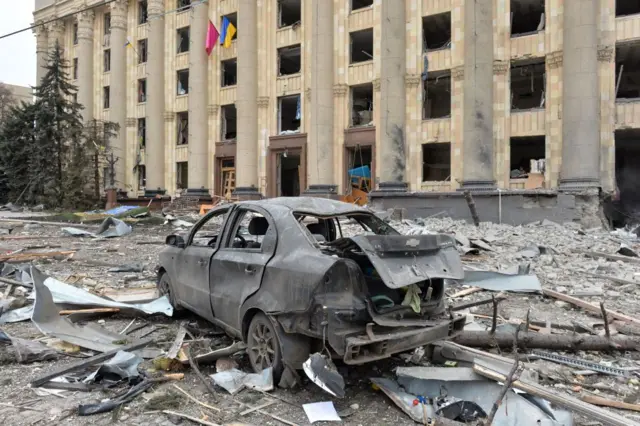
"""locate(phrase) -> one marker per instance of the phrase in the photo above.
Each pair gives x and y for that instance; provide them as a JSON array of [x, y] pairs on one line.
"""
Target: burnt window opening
[[142, 177], [527, 17], [142, 90], [229, 72], [289, 13], [628, 71], [361, 4], [233, 18], [436, 97], [75, 33], [436, 31], [289, 114], [288, 173], [182, 175], [183, 4], [143, 47], [107, 60], [436, 162], [183, 39], [523, 151], [182, 125], [362, 105], [528, 85], [106, 97], [75, 68], [143, 14], [627, 7], [228, 125], [289, 60], [142, 132], [183, 82], [361, 46], [107, 23]]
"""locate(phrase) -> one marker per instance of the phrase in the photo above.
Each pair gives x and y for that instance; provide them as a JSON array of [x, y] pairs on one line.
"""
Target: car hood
[[402, 260]]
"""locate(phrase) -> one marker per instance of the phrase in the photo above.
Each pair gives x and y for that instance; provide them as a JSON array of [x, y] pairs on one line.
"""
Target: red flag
[[212, 37]]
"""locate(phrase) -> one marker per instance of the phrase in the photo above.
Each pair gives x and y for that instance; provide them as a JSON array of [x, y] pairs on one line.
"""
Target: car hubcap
[[263, 350]]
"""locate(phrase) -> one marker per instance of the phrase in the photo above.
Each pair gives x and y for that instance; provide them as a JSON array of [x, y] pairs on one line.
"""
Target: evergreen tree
[[16, 139]]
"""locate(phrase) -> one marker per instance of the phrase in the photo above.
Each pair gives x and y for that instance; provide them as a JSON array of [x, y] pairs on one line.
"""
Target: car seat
[[258, 226]]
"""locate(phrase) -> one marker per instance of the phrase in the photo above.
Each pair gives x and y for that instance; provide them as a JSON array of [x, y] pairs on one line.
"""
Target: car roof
[[310, 205]]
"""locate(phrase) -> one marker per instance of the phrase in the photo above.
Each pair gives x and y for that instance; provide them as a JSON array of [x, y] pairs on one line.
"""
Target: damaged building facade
[[530, 97]]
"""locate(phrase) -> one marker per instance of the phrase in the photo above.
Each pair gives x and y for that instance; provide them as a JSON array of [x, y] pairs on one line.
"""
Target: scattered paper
[[321, 412]]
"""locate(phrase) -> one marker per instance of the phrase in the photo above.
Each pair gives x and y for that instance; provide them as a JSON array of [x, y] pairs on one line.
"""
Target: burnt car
[[292, 276]]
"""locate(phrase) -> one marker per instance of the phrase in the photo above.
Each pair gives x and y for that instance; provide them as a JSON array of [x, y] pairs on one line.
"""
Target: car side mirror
[[175, 241]]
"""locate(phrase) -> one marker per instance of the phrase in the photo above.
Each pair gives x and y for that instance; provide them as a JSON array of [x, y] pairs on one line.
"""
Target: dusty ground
[[563, 268]]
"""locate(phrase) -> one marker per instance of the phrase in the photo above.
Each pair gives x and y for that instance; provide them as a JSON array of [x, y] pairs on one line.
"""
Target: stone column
[[320, 143], [42, 44], [56, 33], [119, 87], [247, 101], [477, 163], [155, 101], [581, 101], [392, 105], [198, 102], [85, 63]]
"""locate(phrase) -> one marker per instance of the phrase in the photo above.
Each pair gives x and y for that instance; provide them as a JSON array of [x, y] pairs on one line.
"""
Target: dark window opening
[[107, 23], [107, 60], [289, 60], [75, 97], [183, 4], [229, 72], [228, 124], [142, 177], [183, 39], [75, 68], [436, 162], [436, 95], [627, 7], [359, 168], [182, 121], [289, 114], [525, 155], [75, 33], [361, 4], [628, 71], [142, 90], [289, 12], [362, 105], [626, 200], [106, 95], [142, 50], [143, 14], [436, 31], [288, 169], [233, 19], [527, 17], [361, 46], [142, 132], [528, 85], [183, 82], [182, 174]]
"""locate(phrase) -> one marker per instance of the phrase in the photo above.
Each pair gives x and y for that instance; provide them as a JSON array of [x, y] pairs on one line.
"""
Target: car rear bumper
[[371, 346]]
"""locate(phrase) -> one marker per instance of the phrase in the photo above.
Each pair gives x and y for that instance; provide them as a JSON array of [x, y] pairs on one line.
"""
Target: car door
[[195, 261], [236, 270]]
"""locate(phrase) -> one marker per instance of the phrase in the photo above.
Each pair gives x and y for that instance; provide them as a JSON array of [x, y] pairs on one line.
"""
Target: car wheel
[[263, 345], [166, 288]]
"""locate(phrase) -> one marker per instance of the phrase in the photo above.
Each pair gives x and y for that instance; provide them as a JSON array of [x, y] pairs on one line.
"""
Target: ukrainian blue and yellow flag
[[227, 31]]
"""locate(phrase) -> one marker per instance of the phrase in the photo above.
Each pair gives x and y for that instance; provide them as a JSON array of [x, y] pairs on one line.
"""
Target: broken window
[[183, 4], [233, 19], [229, 72], [528, 84], [362, 105], [289, 114], [75, 68], [227, 176], [289, 12], [627, 173], [361, 46], [142, 177], [523, 150], [289, 60], [142, 132], [182, 175], [107, 23], [206, 235], [107, 60], [359, 167], [182, 119], [436, 99], [142, 90], [627, 7], [228, 125], [436, 31], [249, 230], [183, 82], [361, 4], [142, 50], [527, 16], [436, 162], [143, 15], [106, 95], [183, 39], [628, 71], [288, 173], [75, 33]]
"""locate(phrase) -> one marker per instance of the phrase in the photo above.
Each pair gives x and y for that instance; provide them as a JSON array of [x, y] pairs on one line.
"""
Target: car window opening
[[249, 231], [207, 235]]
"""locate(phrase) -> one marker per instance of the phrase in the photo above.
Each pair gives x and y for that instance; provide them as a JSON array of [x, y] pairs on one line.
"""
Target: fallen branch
[[607, 332], [462, 306], [211, 407], [604, 402], [613, 257], [193, 419], [212, 356], [507, 384], [25, 257], [40, 222], [14, 282], [466, 292], [589, 306], [203, 379]]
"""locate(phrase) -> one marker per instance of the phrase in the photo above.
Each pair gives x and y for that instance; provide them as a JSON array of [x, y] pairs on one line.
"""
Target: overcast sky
[[18, 52]]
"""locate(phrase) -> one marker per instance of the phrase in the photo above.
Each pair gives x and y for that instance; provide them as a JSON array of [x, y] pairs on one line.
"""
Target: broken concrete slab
[[497, 281]]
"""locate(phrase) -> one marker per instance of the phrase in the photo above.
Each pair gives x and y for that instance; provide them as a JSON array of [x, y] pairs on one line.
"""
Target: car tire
[[165, 287], [263, 346]]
